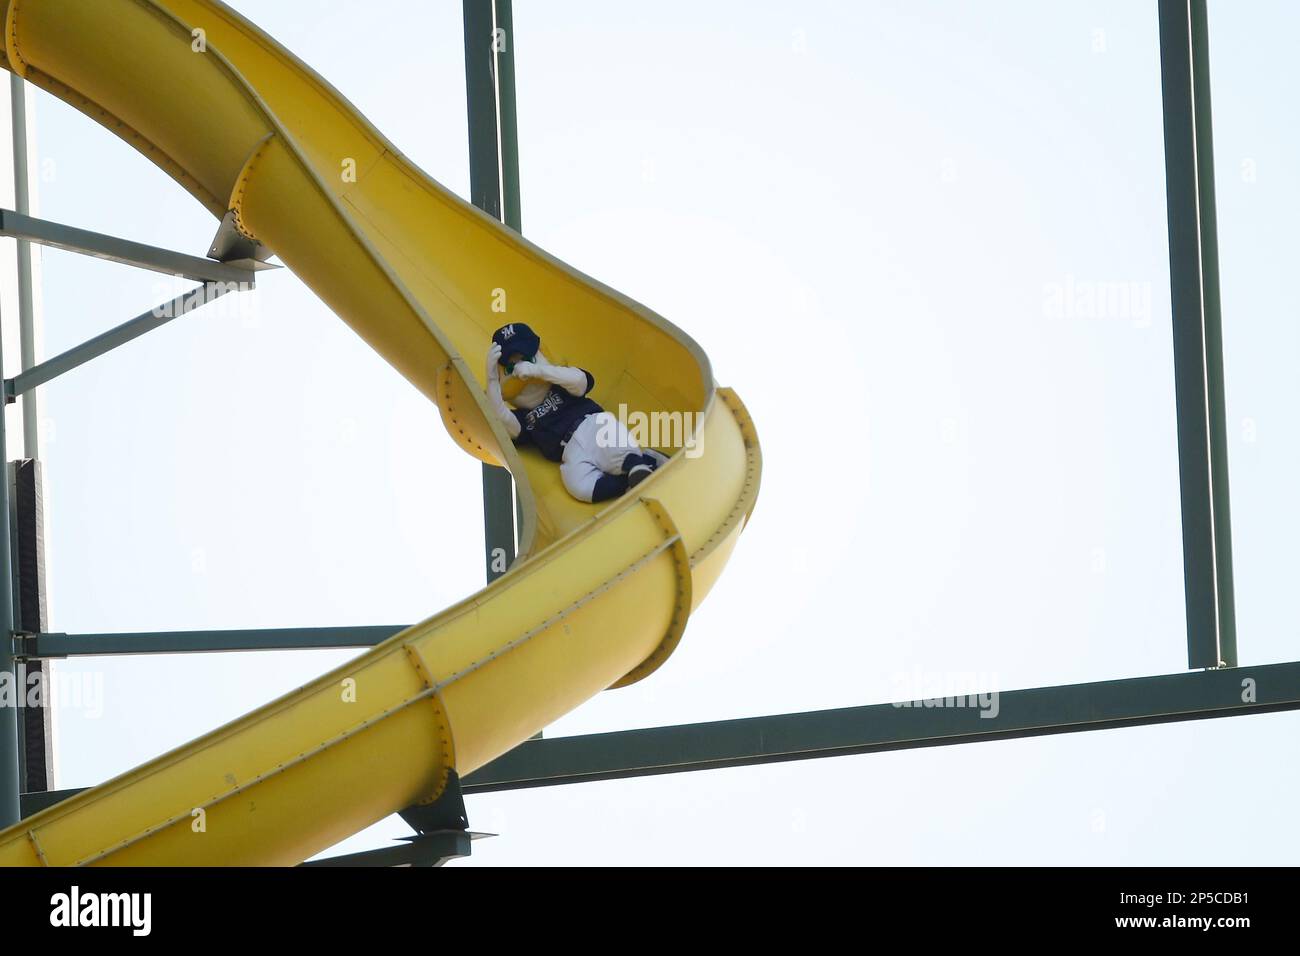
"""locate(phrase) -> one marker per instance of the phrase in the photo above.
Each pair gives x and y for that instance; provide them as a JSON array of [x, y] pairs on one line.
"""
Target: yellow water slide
[[600, 594]]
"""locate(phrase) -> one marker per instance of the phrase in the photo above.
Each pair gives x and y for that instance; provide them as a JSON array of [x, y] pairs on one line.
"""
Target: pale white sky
[[883, 221]]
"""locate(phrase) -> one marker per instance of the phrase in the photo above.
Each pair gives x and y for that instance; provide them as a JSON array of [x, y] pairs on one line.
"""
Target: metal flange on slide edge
[[235, 205], [445, 738], [682, 599]]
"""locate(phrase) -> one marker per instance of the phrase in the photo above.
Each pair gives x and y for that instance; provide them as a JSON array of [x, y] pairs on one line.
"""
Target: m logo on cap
[[516, 338]]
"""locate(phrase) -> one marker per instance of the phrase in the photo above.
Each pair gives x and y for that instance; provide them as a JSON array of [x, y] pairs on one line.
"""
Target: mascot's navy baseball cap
[[516, 337]]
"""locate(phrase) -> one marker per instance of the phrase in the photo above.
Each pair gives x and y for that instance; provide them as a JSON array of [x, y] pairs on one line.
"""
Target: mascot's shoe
[[639, 474]]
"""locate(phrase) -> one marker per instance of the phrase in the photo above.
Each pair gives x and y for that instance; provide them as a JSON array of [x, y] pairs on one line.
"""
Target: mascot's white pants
[[597, 447]]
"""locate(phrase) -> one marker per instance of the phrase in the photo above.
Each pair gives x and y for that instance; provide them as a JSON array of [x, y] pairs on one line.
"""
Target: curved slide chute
[[600, 594]]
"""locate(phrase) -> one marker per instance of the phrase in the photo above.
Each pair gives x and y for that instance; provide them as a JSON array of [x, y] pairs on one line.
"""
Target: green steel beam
[[433, 849], [493, 175], [35, 734], [45, 646], [10, 752], [79, 355], [27, 518], [22, 202], [508, 131], [1071, 708], [38, 800], [498, 521], [101, 246], [1197, 335]]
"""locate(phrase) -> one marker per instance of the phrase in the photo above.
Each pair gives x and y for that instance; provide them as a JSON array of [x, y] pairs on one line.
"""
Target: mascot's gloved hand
[[507, 417], [572, 380], [527, 370]]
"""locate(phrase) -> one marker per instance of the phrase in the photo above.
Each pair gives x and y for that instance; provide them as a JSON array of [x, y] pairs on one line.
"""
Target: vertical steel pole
[[1197, 334], [9, 772], [508, 131], [10, 754], [35, 730], [494, 177], [22, 205], [494, 188], [507, 117]]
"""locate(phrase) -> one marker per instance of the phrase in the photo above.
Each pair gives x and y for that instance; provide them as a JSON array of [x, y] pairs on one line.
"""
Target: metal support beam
[[53, 646], [490, 102], [1072, 708], [35, 717], [9, 749], [507, 113], [494, 179], [445, 813], [230, 245], [441, 834], [1197, 335], [101, 246], [498, 521], [35, 729], [22, 200], [39, 800], [433, 849], [145, 322]]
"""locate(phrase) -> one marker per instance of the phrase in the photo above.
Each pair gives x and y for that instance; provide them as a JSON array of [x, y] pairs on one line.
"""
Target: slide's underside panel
[[600, 594]]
